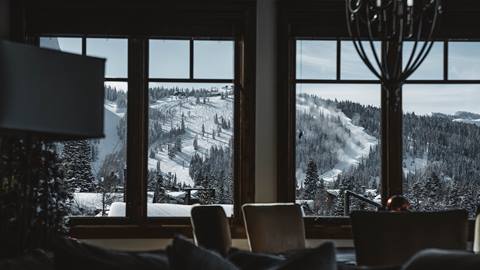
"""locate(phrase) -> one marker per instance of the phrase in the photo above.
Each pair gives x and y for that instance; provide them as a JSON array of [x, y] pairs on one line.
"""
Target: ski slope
[[357, 144], [195, 115]]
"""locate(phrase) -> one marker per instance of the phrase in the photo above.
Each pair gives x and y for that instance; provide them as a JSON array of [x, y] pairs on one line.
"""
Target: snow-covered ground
[[163, 210], [92, 201], [195, 115], [358, 142]]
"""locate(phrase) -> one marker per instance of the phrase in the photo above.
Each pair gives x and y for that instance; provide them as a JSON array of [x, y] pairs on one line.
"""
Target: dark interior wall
[[4, 19]]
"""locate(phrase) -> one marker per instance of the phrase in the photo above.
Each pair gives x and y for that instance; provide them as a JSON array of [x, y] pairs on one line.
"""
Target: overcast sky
[[315, 60]]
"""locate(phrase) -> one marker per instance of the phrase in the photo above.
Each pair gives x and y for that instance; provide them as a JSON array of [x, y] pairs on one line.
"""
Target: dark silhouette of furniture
[[391, 238], [274, 228], [211, 228]]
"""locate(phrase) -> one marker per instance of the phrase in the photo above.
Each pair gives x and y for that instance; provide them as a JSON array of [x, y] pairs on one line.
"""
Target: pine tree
[[178, 144], [159, 194], [311, 181], [195, 143], [77, 160], [182, 125], [171, 151]]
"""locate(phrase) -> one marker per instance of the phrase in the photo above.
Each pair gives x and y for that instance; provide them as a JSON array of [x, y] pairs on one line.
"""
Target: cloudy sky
[[168, 58], [315, 60]]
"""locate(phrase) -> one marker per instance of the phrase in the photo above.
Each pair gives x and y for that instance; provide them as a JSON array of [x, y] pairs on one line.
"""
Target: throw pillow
[[184, 255], [74, 255], [443, 259]]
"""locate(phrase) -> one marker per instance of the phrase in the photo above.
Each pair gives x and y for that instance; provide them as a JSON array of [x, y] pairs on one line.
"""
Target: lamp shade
[[50, 94]]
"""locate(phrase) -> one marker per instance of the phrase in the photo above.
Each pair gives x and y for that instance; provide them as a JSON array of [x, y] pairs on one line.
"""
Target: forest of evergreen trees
[[448, 151]]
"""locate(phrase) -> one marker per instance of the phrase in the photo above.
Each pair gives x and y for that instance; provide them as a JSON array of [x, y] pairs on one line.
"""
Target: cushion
[[320, 258], [255, 261], [443, 259], [36, 259], [74, 255], [184, 255]]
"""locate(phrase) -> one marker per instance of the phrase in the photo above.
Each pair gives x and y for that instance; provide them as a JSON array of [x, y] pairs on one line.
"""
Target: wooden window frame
[[325, 20], [235, 20]]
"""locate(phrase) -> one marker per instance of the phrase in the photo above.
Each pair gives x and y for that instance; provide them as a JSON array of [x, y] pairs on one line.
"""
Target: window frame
[[232, 20], [317, 20]]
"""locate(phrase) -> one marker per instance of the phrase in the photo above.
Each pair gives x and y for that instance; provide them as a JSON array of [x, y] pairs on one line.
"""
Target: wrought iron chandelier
[[392, 22]]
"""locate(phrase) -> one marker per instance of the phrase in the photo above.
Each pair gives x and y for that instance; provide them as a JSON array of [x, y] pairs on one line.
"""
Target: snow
[[195, 115], [413, 165], [111, 143], [91, 200], [163, 210], [358, 143], [468, 121]]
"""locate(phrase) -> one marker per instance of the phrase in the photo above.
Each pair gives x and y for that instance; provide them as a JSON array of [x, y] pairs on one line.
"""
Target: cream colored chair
[[274, 228], [476, 241]]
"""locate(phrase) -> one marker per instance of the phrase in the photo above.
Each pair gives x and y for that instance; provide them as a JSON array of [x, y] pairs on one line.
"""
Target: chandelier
[[392, 22]]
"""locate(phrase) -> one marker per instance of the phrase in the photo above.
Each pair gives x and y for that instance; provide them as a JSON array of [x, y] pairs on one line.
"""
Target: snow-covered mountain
[[467, 117], [349, 143], [199, 116]]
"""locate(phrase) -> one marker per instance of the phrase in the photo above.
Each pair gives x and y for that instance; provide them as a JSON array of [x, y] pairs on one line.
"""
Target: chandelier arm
[[424, 56], [372, 46], [415, 46], [429, 41], [361, 53], [397, 71], [365, 57]]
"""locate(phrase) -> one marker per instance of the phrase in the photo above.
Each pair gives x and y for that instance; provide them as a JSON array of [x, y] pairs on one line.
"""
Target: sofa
[[182, 254]]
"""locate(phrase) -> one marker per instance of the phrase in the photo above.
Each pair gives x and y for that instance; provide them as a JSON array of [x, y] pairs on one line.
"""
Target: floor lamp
[[45, 95]]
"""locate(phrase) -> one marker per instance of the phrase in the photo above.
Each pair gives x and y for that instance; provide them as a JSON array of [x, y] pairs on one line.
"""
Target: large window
[[337, 128], [441, 126], [191, 125], [339, 125], [95, 170]]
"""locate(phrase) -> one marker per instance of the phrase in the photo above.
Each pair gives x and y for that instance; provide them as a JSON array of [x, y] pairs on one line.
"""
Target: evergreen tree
[[77, 160], [182, 125], [178, 144], [159, 194], [195, 143], [311, 181]]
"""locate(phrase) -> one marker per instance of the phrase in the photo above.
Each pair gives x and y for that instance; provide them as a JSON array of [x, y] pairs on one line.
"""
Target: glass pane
[[115, 51], [96, 169], [353, 67], [190, 155], [316, 59], [432, 67], [464, 60], [213, 59], [169, 59], [71, 45], [441, 154], [337, 146]]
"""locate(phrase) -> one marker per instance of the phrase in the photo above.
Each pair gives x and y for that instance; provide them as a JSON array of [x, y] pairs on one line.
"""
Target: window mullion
[[137, 139]]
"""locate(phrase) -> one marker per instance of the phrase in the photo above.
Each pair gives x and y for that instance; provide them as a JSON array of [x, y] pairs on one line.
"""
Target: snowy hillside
[[111, 143], [354, 145], [199, 122]]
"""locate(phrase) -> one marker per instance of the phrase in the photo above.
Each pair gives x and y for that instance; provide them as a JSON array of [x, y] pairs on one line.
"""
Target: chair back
[[391, 238], [211, 229], [274, 228]]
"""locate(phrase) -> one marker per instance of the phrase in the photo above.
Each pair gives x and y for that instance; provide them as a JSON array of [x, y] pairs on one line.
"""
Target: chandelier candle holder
[[392, 22]]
